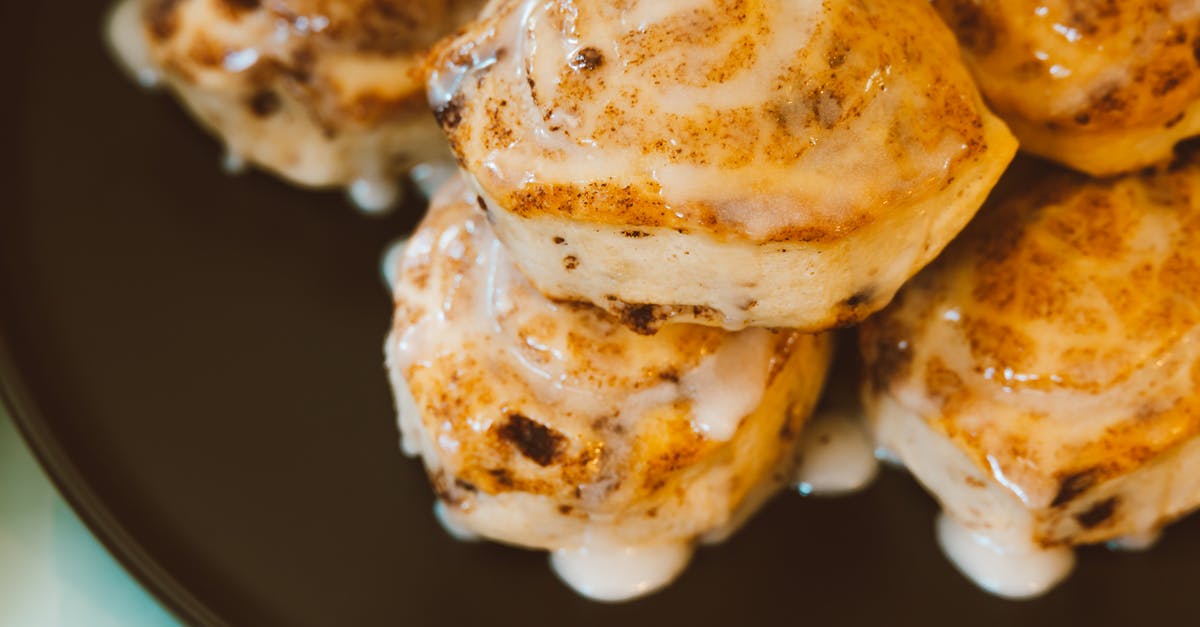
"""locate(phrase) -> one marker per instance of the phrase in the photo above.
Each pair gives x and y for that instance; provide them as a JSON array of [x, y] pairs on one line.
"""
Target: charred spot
[[463, 484], [302, 63], [669, 375], [502, 476], [1196, 50], [482, 205], [837, 54], [860, 298], [570, 262], [970, 22], [1110, 101], [441, 488], [535, 440], [565, 510], [1083, 119], [786, 432], [163, 18], [264, 103], [1073, 484], [1098, 514], [239, 6], [587, 59], [886, 352], [642, 319], [1171, 123], [449, 114], [635, 234], [558, 239], [1170, 80]]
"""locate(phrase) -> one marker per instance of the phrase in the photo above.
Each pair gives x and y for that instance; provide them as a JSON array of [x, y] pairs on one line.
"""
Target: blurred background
[[53, 572]]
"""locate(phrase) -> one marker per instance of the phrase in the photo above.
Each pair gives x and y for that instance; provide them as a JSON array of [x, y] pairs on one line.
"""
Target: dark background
[[197, 359]]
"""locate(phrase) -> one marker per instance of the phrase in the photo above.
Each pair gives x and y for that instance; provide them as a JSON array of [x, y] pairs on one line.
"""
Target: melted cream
[[1137, 542], [1010, 571], [233, 163], [430, 177], [389, 265], [605, 571], [374, 196], [837, 456], [127, 39], [728, 385], [453, 524]]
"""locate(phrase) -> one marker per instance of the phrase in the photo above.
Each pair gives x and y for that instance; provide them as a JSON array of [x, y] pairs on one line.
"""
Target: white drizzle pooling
[[718, 407], [389, 265], [837, 456], [452, 524], [457, 287], [431, 176], [374, 195], [606, 571], [1137, 542], [233, 163], [1007, 570], [126, 38]]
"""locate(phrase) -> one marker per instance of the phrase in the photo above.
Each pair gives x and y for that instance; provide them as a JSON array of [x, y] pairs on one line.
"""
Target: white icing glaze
[[1136, 542], [374, 196], [729, 384], [605, 571], [887, 456], [1006, 570], [389, 265], [233, 163], [449, 520], [126, 37], [538, 43], [837, 455], [722, 388], [430, 176]]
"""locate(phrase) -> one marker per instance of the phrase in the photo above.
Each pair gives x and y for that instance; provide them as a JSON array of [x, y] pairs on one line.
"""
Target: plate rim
[[85, 502]]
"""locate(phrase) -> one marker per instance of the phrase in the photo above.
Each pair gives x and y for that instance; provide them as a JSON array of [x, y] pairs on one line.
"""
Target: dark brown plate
[[196, 359]]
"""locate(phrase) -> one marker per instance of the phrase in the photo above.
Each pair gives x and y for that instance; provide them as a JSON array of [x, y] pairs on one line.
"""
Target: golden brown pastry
[[1103, 86], [730, 163], [1041, 377], [553, 426], [322, 92]]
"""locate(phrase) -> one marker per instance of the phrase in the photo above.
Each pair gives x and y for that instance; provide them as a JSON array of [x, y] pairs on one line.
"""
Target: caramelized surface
[[660, 437], [1055, 343], [322, 92], [1062, 71], [758, 120]]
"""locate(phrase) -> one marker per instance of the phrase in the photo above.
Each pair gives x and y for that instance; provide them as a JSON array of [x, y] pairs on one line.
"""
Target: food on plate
[[1041, 377], [325, 93], [1101, 86], [553, 426], [733, 164]]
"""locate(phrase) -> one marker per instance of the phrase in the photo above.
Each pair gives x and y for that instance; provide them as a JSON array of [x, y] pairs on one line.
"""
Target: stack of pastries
[[613, 326]]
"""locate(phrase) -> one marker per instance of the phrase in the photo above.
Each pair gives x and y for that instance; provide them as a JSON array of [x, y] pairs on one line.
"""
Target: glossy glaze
[[1104, 86], [321, 93], [1040, 377], [553, 426], [720, 144]]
